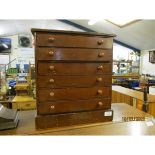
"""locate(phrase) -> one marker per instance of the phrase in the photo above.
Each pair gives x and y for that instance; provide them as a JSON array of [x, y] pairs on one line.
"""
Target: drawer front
[[74, 68], [63, 40], [24, 105], [73, 93], [55, 81], [74, 54], [73, 106]]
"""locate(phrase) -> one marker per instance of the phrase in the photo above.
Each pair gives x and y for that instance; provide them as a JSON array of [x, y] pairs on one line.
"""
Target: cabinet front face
[[74, 68], [56, 81], [74, 78], [74, 54], [73, 93], [66, 40], [61, 106]]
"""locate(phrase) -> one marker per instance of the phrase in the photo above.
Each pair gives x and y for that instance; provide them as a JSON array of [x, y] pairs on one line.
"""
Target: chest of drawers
[[74, 77]]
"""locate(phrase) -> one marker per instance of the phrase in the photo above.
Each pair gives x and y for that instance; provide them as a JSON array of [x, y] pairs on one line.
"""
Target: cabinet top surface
[[34, 30]]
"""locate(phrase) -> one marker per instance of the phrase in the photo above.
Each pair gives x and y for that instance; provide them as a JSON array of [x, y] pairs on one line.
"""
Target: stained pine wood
[[73, 74], [55, 107], [74, 54], [67, 40], [55, 81]]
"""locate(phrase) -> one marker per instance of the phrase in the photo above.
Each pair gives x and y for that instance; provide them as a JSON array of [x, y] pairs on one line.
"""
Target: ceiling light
[[93, 21], [122, 22]]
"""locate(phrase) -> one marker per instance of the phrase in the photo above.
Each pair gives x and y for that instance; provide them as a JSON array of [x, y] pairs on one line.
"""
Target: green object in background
[[12, 71]]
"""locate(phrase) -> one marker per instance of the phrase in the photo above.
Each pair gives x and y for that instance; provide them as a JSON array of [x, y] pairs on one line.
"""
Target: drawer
[[55, 81], [73, 93], [74, 54], [74, 68], [24, 105], [73, 106], [66, 40]]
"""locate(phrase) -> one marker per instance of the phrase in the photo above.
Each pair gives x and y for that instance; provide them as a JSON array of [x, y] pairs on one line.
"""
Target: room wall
[[26, 55], [145, 66]]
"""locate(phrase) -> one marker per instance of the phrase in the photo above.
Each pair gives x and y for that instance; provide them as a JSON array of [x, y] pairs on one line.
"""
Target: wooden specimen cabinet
[[73, 77]]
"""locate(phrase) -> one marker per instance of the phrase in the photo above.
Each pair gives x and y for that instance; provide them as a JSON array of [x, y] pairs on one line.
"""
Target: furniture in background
[[133, 97], [23, 103], [74, 75], [22, 89]]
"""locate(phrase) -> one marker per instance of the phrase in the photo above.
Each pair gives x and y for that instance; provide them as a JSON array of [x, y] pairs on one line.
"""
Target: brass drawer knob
[[51, 80], [51, 67], [100, 67], [99, 79], [52, 107], [101, 54], [100, 103], [51, 53], [51, 39], [100, 42], [99, 92], [51, 93]]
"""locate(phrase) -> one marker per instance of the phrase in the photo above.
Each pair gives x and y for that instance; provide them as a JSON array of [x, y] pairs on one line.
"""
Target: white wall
[[27, 54], [145, 66], [4, 59], [121, 52]]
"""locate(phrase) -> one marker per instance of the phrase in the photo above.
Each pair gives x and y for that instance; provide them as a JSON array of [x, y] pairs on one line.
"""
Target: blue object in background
[[133, 83], [12, 83], [151, 81], [26, 67]]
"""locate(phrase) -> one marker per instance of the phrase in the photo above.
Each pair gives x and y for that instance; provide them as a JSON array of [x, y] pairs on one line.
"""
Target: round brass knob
[[51, 53], [101, 54], [52, 106], [51, 67], [51, 80], [99, 79], [51, 39], [100, 42], [51, 93], [100, 103], [99, 92], [100, 67]]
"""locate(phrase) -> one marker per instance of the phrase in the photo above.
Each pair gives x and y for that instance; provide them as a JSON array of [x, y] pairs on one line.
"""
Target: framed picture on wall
[[152, 56]]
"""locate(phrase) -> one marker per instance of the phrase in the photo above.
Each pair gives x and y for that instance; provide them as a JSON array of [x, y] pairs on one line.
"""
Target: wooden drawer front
[[63, 40], [72, 106], [24, 105], [73, 93], [54, 81], [74, 54], [74, 68]]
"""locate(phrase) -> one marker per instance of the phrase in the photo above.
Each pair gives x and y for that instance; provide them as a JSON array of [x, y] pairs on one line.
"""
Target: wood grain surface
[[26, 125]]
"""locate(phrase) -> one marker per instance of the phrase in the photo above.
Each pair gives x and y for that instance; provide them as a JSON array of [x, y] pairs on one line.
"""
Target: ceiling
[[13, 27], [140, 35]]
